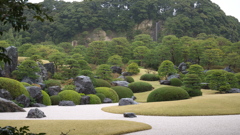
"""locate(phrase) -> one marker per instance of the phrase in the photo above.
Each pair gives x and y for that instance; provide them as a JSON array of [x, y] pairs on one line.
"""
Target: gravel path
[[194, 125]]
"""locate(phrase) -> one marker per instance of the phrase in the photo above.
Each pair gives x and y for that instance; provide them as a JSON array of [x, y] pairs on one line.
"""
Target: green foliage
[[166, 68], [149, 77], [57, 76], [36, 58], [123, 92], [102, 83], [176, 82], [231, 79], [52, 82], [83, 65], [109, 93], [55, 99], [94, 99], [196, 69], [140, 53], [104, 72], [217, 80], [101, 96], [115, 60], [192, 85], [57, 58], [9, 130], [69, 87], [133, 68], [140, 87], [25, 84], [14, 87], [167, 94], [237, 75], [46, 98], [129, 79], [70, 95]]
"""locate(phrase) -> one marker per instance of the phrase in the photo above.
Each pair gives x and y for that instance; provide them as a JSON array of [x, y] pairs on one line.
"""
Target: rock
[[35, 113], [129, 115], [28, 80], [66, 103], [84, 85], [22, 99], [134, 98], [107, 100], [5, 94], [9, 106], [54, 90], [127, 101], [85, 100], [165, 82], [50, 68], [42, 85], [184, 72], [234, 90], [120, 83], [38, 105], [205, 85], [228, 69], [122, 77], [43, 73], [35, 93], [182, 67], [116, 69], [126, 74], [173, 76]]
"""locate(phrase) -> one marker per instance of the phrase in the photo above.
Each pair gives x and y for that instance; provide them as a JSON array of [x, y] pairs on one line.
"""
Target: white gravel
[[161, 125]]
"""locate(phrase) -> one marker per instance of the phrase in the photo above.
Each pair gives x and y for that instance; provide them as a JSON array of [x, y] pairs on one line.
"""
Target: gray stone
[[120, 83], [129, 115], [122, 77], [116, 69], [42, 85], [54, 90], [43, 73], [127, 101], [173, 76], [234, 90], [35, 93], [38, 105], [182, 67], [27, 80], [22, 99], [85, 100], [228, 69], [66, 103], [126, 74], [165, 82], [84, 85], [5, 94], [50, 68], [35, 113], [134, 98], [9, 106], [107, 100]]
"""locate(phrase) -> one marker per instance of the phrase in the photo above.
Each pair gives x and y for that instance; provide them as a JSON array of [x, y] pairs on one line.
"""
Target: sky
[[230, 7]]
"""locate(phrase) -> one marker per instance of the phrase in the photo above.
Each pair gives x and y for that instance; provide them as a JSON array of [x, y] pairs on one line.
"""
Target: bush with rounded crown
[[217, 80], [25, 84], [133, 68], [102, 83], [46, 98], [70, 95], [167, 94], [55, 99], [149, 77], [140, 87], [101, 96], [175, 82], [14, 87], [123, 92], [94, 99], [231, 79], [192, 84], [109, 93], [129, 79], [166, 68]]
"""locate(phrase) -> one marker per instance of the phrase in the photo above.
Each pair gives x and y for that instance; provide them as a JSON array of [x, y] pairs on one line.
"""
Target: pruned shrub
[[109, 93], [129, 79], [123, 92], [231, 79], [176, 82], [14, 87], [25, 84], [192, 84], [167, 94], [94, 99], [101, 96], [133, 68], [217, 80], [140, 87], [46, 98], [52, 82], [101, 83], [149, 77], [55, 99], [69, 87], [70, 95]]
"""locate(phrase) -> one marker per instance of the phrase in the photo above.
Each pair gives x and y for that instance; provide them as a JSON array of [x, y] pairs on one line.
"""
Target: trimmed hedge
[[129, 79], [109, 93], [192, 85], [149, 77], [176, 82], [167, 94], [46, 98], [101, 96], [123, 92], [102, 83], [14, 87], [94, 99], [140, 87], [55, 99], [70, 95]]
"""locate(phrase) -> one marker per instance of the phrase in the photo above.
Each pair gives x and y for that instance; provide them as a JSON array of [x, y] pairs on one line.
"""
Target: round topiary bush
[[14, 87], [123, 92], [109, 93], [149, 77], [140, 87], [94, 99], [176, 82], [167, 94], [129, 79], [55, 99], [192, 85], [46, 98], [25, 84], [101, 83], [70, 95], [101, 96]]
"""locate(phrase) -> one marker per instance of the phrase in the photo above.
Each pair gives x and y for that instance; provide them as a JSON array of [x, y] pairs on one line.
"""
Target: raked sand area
[[161, 125]]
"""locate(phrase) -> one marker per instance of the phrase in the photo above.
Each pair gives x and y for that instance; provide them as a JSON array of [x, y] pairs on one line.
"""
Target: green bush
[[9, 130], [101, 96], [46, 98], [52, 82], [167, 94], [217, 80], [129, 79], [14, 87], [55, 99], [123, 92], [69, 87], [237, 75], [94, 99], [149, 77], [192, 84], [176, 82], [102, 83], [70, 95], [231, 79], [109, 93], [57, 76], [25, 84], [133, 68], [140, 87]]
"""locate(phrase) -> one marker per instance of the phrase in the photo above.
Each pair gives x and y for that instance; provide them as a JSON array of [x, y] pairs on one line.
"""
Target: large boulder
[[54, 90], [234, 90], [126, 74], [22, 99], [66, 103], [43, 73], [120, 83], [37, 105], [129, 115], [173, 76], [5, 94], [127, 101], [116, 69], [85, 100], [35, 93], [35, 113], [84, 85], [50, 68], [9, 106], [165, 82], [228, 69], [183, 68], [107, 100]]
